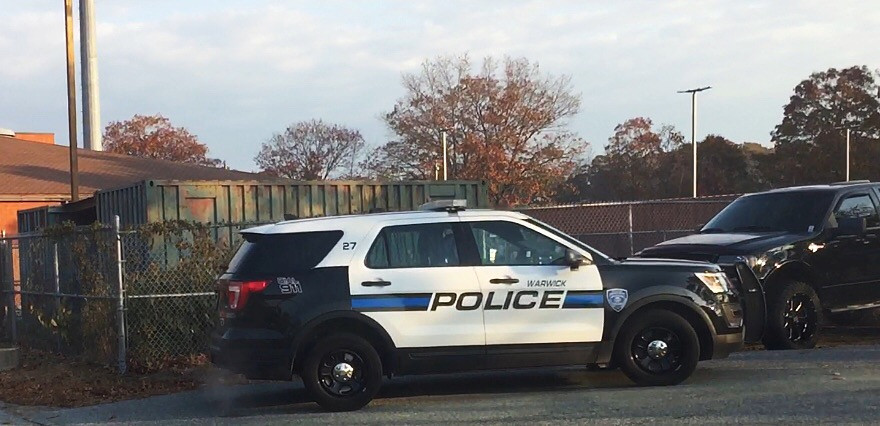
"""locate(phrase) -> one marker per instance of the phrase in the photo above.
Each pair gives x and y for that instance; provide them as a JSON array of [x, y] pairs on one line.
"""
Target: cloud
[[236, 72]]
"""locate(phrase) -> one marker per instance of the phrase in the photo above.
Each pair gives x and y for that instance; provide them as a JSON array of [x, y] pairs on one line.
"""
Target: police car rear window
[[273, 255]]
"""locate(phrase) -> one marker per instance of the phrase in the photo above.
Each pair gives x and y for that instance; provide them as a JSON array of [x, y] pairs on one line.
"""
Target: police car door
[[530, 296], [407, 273]]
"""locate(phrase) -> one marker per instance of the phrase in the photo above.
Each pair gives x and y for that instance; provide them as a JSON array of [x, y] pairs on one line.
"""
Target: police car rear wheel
[[658, 348], [342, 372]]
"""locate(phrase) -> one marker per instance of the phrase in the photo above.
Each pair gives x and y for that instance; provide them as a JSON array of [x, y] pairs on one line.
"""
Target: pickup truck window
[[857, 206], [795, 211]]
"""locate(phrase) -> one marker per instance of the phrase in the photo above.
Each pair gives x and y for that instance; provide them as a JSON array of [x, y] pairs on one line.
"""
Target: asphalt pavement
[[835, 385]]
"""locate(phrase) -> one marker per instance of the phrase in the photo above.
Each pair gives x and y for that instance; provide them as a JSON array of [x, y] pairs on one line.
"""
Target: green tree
[[726, 168], [638, 163], [809, 142]]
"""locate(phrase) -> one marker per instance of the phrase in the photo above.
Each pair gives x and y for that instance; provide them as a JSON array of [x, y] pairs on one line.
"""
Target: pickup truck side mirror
[[850, 226]]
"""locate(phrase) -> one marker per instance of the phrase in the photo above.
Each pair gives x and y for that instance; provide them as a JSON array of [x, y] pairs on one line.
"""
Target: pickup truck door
[[851, 263]]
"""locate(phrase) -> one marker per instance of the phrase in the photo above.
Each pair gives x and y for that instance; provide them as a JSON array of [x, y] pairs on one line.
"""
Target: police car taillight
[[238, 292]]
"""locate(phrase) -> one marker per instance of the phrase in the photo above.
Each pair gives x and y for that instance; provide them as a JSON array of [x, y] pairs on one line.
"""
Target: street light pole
[[848, 129], [445, 161], [445, 150], [847, 153], [693, 93]]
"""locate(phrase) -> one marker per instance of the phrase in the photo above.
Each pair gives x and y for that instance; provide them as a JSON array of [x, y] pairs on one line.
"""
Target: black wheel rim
[[341, 386], [799, 318], [646, 356]]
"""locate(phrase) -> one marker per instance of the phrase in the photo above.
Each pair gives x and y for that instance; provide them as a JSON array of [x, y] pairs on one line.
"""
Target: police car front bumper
[[726, 344], [256, 353]]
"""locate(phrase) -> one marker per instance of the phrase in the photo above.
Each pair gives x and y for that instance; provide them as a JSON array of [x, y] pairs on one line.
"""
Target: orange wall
[[9, 213]]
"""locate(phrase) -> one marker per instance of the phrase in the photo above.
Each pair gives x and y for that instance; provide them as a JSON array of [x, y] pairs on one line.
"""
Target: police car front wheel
[[658, 348], [342, 372]]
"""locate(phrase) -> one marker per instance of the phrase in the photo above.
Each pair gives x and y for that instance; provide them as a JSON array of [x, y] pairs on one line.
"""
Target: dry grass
[[50, 380]]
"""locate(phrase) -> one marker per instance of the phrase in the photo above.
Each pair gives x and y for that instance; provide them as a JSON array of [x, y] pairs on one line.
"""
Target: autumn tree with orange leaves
[[505, 121], [153, 136]]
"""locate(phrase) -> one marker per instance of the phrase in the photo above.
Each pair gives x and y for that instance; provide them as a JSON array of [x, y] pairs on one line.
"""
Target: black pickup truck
[[815, 250]]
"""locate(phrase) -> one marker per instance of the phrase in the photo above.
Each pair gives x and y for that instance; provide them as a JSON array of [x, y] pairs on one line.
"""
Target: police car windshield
[[793, 211], [273, 255]]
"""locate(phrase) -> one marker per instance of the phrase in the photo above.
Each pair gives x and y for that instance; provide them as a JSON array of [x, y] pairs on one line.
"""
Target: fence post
[[631, 246], [120, 299], [57, 291], [7, 279]]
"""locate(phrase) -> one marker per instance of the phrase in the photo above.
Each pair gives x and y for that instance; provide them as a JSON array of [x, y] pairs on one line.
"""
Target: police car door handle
[[503, 281], [377, 283]]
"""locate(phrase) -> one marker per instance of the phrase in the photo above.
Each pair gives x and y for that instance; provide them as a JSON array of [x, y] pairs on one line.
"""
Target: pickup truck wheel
[[657, 348], [792, 318], [342, 372]]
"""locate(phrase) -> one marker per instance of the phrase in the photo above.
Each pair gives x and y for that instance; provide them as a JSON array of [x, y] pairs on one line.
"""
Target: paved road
[[824, 385]]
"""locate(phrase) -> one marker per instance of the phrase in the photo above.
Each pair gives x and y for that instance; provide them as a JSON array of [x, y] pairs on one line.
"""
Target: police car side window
[[414, 246], [507, 243]]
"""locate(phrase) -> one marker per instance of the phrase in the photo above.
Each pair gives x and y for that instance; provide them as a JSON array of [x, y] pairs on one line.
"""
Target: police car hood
[[722, 243]]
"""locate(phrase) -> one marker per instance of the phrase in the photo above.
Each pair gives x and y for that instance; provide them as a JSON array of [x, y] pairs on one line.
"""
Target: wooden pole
[[71, 101]]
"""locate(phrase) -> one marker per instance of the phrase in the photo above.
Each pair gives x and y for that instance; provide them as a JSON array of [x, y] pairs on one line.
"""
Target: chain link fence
[[141, 299], [58, 300], [623, 229], [144, 298]]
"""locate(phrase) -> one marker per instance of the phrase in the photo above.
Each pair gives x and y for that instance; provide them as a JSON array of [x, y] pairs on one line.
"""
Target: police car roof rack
[[450, 206]]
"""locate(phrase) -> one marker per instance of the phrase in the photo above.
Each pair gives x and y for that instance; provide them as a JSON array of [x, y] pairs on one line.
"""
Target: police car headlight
[[717, 282]]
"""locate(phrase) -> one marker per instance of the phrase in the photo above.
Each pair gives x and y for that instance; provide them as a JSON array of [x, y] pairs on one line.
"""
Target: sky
[[236, 72]]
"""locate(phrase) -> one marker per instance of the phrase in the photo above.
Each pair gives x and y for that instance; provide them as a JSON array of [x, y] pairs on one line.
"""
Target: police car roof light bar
[[451, 206]]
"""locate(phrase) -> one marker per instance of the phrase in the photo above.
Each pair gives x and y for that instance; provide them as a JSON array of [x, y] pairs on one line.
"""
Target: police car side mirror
[[574, 259]]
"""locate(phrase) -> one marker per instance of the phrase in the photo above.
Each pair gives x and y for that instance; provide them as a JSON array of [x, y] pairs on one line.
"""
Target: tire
[[674, 365], [324, 386], [792, 318]]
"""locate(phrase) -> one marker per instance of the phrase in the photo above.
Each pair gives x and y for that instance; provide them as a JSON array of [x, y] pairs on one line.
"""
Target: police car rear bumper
[[257, 353]]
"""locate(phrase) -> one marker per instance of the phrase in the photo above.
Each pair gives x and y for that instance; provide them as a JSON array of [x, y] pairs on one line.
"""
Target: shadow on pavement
[[273, 398]]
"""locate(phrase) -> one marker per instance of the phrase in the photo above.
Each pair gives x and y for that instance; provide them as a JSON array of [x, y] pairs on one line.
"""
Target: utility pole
[[71, 101], [89, 66], [693, 93]]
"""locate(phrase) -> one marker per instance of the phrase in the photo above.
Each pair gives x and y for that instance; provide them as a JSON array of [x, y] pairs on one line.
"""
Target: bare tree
[[311, 150]]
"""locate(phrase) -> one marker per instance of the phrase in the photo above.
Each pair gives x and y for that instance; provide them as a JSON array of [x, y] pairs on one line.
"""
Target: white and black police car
[[343, 301]]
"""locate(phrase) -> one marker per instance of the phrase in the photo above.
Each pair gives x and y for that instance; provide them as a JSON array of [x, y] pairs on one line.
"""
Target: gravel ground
[[839, 385]]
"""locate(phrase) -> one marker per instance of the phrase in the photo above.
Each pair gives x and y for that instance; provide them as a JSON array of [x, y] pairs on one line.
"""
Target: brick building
[[35, 172]]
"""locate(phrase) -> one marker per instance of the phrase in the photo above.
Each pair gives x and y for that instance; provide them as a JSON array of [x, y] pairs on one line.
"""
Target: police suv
[[343, 301]]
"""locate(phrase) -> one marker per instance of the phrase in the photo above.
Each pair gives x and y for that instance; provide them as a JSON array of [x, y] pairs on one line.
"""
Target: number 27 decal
[[349, 245]]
